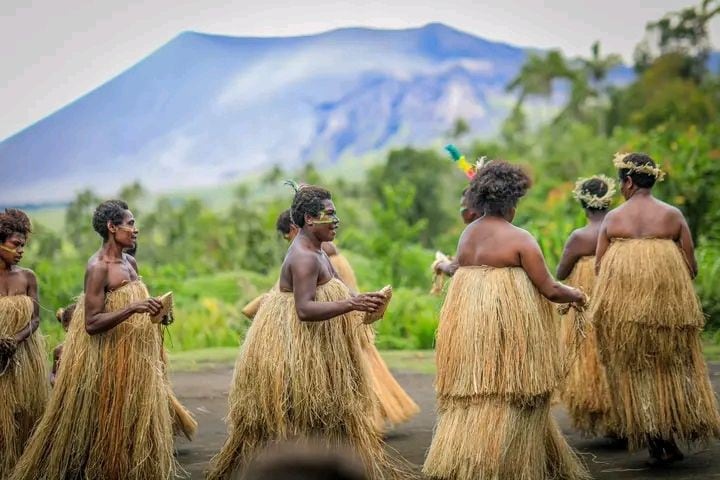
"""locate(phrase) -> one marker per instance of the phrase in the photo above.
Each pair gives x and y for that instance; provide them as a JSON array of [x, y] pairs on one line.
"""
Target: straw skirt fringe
[[585, 391], [299, 380], [498, 362], [649, 320], [109, 415], [24, 388], [395, 405], [344, 271]]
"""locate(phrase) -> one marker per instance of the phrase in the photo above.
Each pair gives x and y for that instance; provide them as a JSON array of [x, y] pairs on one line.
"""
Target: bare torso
[[16, 281], [116, 272]]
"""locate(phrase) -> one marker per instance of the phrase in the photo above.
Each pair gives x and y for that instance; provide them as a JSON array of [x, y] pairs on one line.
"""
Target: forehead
[[328, 205], [16, 237], [128, 216]]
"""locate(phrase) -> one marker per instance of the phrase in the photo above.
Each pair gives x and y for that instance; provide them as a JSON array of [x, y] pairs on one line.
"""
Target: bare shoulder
[[28, 274], [329, 248], [523, 239], [301, 257], [576, 235], [131, 260], [669, 209], [95, 268]]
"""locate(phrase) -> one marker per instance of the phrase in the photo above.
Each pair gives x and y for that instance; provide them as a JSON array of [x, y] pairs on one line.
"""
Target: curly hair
[[112, 211], [284, 222], [13, 221], [642, 180], [308, 200], [497, 187]]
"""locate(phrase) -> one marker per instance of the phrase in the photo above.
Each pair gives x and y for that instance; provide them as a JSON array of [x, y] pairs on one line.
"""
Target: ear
[[111, 228], [308, 220]]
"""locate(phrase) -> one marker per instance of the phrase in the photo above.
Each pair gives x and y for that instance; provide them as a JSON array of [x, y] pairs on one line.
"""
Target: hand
[[581, 300], [150, 305], [367, 302]]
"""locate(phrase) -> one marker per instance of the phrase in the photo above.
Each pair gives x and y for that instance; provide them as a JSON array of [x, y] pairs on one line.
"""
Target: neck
[[595, 216], [641, 192], [112, 250], [496, 217], [5, 267], [309, 239]]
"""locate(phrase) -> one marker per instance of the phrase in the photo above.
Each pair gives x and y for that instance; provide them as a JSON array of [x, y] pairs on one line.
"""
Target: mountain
[[205, 109]]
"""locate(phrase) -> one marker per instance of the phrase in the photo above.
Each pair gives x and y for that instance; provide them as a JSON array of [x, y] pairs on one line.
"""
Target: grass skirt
[[296, 380], [396, 406], [24, 388], [344, 271], [498, 363], [649, 320], [585, 392], [109, 415]]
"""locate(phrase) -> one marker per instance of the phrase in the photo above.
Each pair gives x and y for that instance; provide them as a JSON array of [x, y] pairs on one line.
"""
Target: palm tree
[[597, 66], [537, 75]]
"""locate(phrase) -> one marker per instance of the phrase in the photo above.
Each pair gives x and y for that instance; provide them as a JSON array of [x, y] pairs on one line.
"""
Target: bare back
[[644, 216], [495, 242], [581, 243]]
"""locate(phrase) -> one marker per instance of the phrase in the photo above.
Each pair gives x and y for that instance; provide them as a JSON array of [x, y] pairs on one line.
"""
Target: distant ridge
[[205, 109]]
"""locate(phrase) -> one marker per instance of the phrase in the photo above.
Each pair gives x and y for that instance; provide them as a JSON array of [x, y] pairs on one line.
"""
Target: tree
[[431, 176], [684, 32], [597, 66], [78, 222], [396, 230], [537, 75]]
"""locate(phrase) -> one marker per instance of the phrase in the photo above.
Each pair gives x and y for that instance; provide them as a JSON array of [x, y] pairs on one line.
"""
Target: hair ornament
[[621, 164], [591, 200]]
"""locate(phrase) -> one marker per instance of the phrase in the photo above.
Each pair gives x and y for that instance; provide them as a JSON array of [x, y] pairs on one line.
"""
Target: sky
[[54, 51]]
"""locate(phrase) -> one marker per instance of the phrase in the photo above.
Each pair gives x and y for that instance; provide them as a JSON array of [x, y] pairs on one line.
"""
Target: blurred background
[[195, 118]]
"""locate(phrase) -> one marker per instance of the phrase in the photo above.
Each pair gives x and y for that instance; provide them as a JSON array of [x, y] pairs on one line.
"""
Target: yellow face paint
[[8, 249], [326, 218], [127, 228]]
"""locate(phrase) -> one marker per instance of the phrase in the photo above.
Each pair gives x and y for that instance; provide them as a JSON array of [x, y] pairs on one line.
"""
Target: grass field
[[416, 361], [412, 361]]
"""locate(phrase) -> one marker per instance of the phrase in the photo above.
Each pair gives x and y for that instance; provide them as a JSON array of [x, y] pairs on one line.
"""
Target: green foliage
[[410, 322], [219, 252], [431, 175], [663, 95]]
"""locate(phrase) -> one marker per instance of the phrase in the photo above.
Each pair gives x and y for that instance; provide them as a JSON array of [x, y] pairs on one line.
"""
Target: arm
[[305, 271], [533, 262], [569, 258], [603, 242], [96, 320], [133, 263], [32, 292], [686, 245]]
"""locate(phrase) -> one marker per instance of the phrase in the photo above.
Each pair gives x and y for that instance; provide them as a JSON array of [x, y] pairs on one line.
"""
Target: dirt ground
[[205, 393]]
